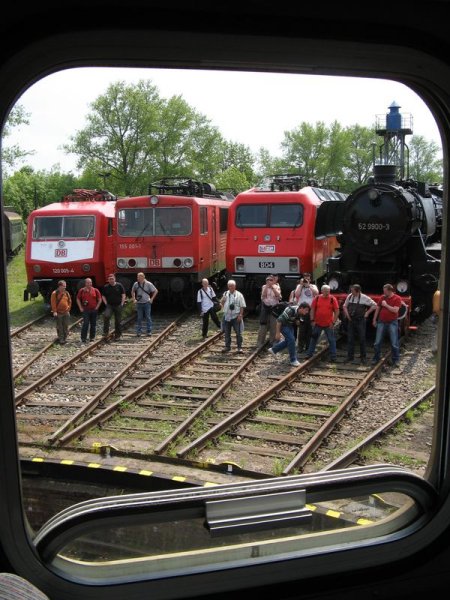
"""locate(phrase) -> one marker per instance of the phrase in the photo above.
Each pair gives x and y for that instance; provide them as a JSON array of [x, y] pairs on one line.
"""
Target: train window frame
[[62, 234], [203, 215], [32, 63], [268, 216]]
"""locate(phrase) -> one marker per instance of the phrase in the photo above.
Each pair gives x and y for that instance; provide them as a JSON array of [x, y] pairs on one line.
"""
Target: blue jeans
[[144, 312], [358, 326], [289, 341], [316, 333], [237, 327], [89, 324], [390, 327]]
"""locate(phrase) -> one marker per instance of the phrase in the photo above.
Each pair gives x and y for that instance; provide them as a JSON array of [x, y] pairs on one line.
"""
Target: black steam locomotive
[[389, 232]]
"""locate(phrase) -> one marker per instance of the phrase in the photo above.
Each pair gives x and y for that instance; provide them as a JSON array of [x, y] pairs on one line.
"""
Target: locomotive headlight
[[373, 194], [402, 286], [267, 238], [240, 264], [37, 268], [334, 284], [121, 263], [154, 200], [86, 267], [188, 262]]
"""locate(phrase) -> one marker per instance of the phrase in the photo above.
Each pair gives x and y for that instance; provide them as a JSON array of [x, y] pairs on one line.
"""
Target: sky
[[254, 109]]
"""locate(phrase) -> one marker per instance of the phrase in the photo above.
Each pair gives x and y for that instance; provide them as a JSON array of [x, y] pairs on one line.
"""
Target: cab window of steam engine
[[269, 215]]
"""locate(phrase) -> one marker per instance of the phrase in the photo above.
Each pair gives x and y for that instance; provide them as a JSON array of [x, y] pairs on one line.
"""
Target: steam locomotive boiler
[[386, 230]]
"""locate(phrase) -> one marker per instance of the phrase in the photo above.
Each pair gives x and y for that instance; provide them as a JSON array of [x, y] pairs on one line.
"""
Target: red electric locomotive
[[271, 230], [70, 240], [176, 235]]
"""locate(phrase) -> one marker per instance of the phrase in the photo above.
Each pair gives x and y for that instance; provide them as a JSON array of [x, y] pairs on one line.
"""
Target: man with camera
[[88, 300], [143, 294], [270, 296], [233, 304], [305, 290]]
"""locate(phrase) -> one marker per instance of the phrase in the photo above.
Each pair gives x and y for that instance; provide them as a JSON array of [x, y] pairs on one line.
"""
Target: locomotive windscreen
[[379, 219]]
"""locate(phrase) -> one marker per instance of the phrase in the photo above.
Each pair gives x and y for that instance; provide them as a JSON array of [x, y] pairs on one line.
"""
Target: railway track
[[175, 396]]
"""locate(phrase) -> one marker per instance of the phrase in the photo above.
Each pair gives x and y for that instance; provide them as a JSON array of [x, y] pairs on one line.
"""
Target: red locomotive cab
[[176, 237], [70, 240], [271, 230]]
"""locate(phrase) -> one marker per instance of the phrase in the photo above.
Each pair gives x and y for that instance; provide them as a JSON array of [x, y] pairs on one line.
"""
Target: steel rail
[[301, 457], [108, 411], [40, 353], [243, 412], [112, 384], [19, 397], [349, 457], [27, 325], [204, 405]]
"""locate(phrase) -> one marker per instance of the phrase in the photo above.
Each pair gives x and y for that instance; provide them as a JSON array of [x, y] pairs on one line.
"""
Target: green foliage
[[13, 154], [21, 312], [27, 189], [134, 137]]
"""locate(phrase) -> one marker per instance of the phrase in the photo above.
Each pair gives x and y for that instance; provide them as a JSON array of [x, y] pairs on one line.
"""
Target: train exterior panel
[[14, 232], [70, 240], [271, 230], [176, 236]]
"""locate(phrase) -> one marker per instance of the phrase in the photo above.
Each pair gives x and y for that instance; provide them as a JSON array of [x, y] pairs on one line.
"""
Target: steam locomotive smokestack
[[385, 173]]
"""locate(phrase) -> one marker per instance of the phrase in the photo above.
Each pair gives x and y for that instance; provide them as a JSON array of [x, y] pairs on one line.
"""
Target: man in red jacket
[[88, 300], [385, 320], [324, 314]]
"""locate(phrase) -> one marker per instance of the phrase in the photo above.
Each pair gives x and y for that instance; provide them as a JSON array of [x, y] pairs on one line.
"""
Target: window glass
[[63, 227]]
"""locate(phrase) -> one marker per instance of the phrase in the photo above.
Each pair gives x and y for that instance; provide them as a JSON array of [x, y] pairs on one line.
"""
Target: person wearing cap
[[113, 295], [270, 296], [356, 308]]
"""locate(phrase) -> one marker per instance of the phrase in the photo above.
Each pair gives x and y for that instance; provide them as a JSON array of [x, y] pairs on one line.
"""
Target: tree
[[360, 155], [186, 142], [120, 135], [423, 162], [26, 189], [13, 154]]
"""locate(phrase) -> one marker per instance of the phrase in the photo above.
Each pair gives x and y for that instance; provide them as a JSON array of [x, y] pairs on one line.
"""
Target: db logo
[[60, 252]]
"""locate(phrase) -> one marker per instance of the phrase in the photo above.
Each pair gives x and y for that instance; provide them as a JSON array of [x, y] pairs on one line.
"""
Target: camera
[[139, 297], [85, 302], [231, 306]]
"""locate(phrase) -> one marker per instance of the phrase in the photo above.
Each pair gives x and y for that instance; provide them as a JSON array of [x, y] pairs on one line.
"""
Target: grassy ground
[[21, 312]]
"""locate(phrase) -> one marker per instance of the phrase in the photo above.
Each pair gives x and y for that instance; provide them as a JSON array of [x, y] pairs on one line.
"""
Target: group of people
[[311, 313], [113, 296], [298, 327]]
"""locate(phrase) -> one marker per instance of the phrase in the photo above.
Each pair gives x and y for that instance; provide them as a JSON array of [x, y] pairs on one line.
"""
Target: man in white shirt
[[233, 304]]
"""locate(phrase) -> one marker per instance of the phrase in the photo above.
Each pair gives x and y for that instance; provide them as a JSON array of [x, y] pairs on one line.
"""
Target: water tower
[[394, 127]]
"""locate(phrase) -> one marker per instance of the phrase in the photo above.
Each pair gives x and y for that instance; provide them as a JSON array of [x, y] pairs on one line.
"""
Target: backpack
[[279, 308]]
